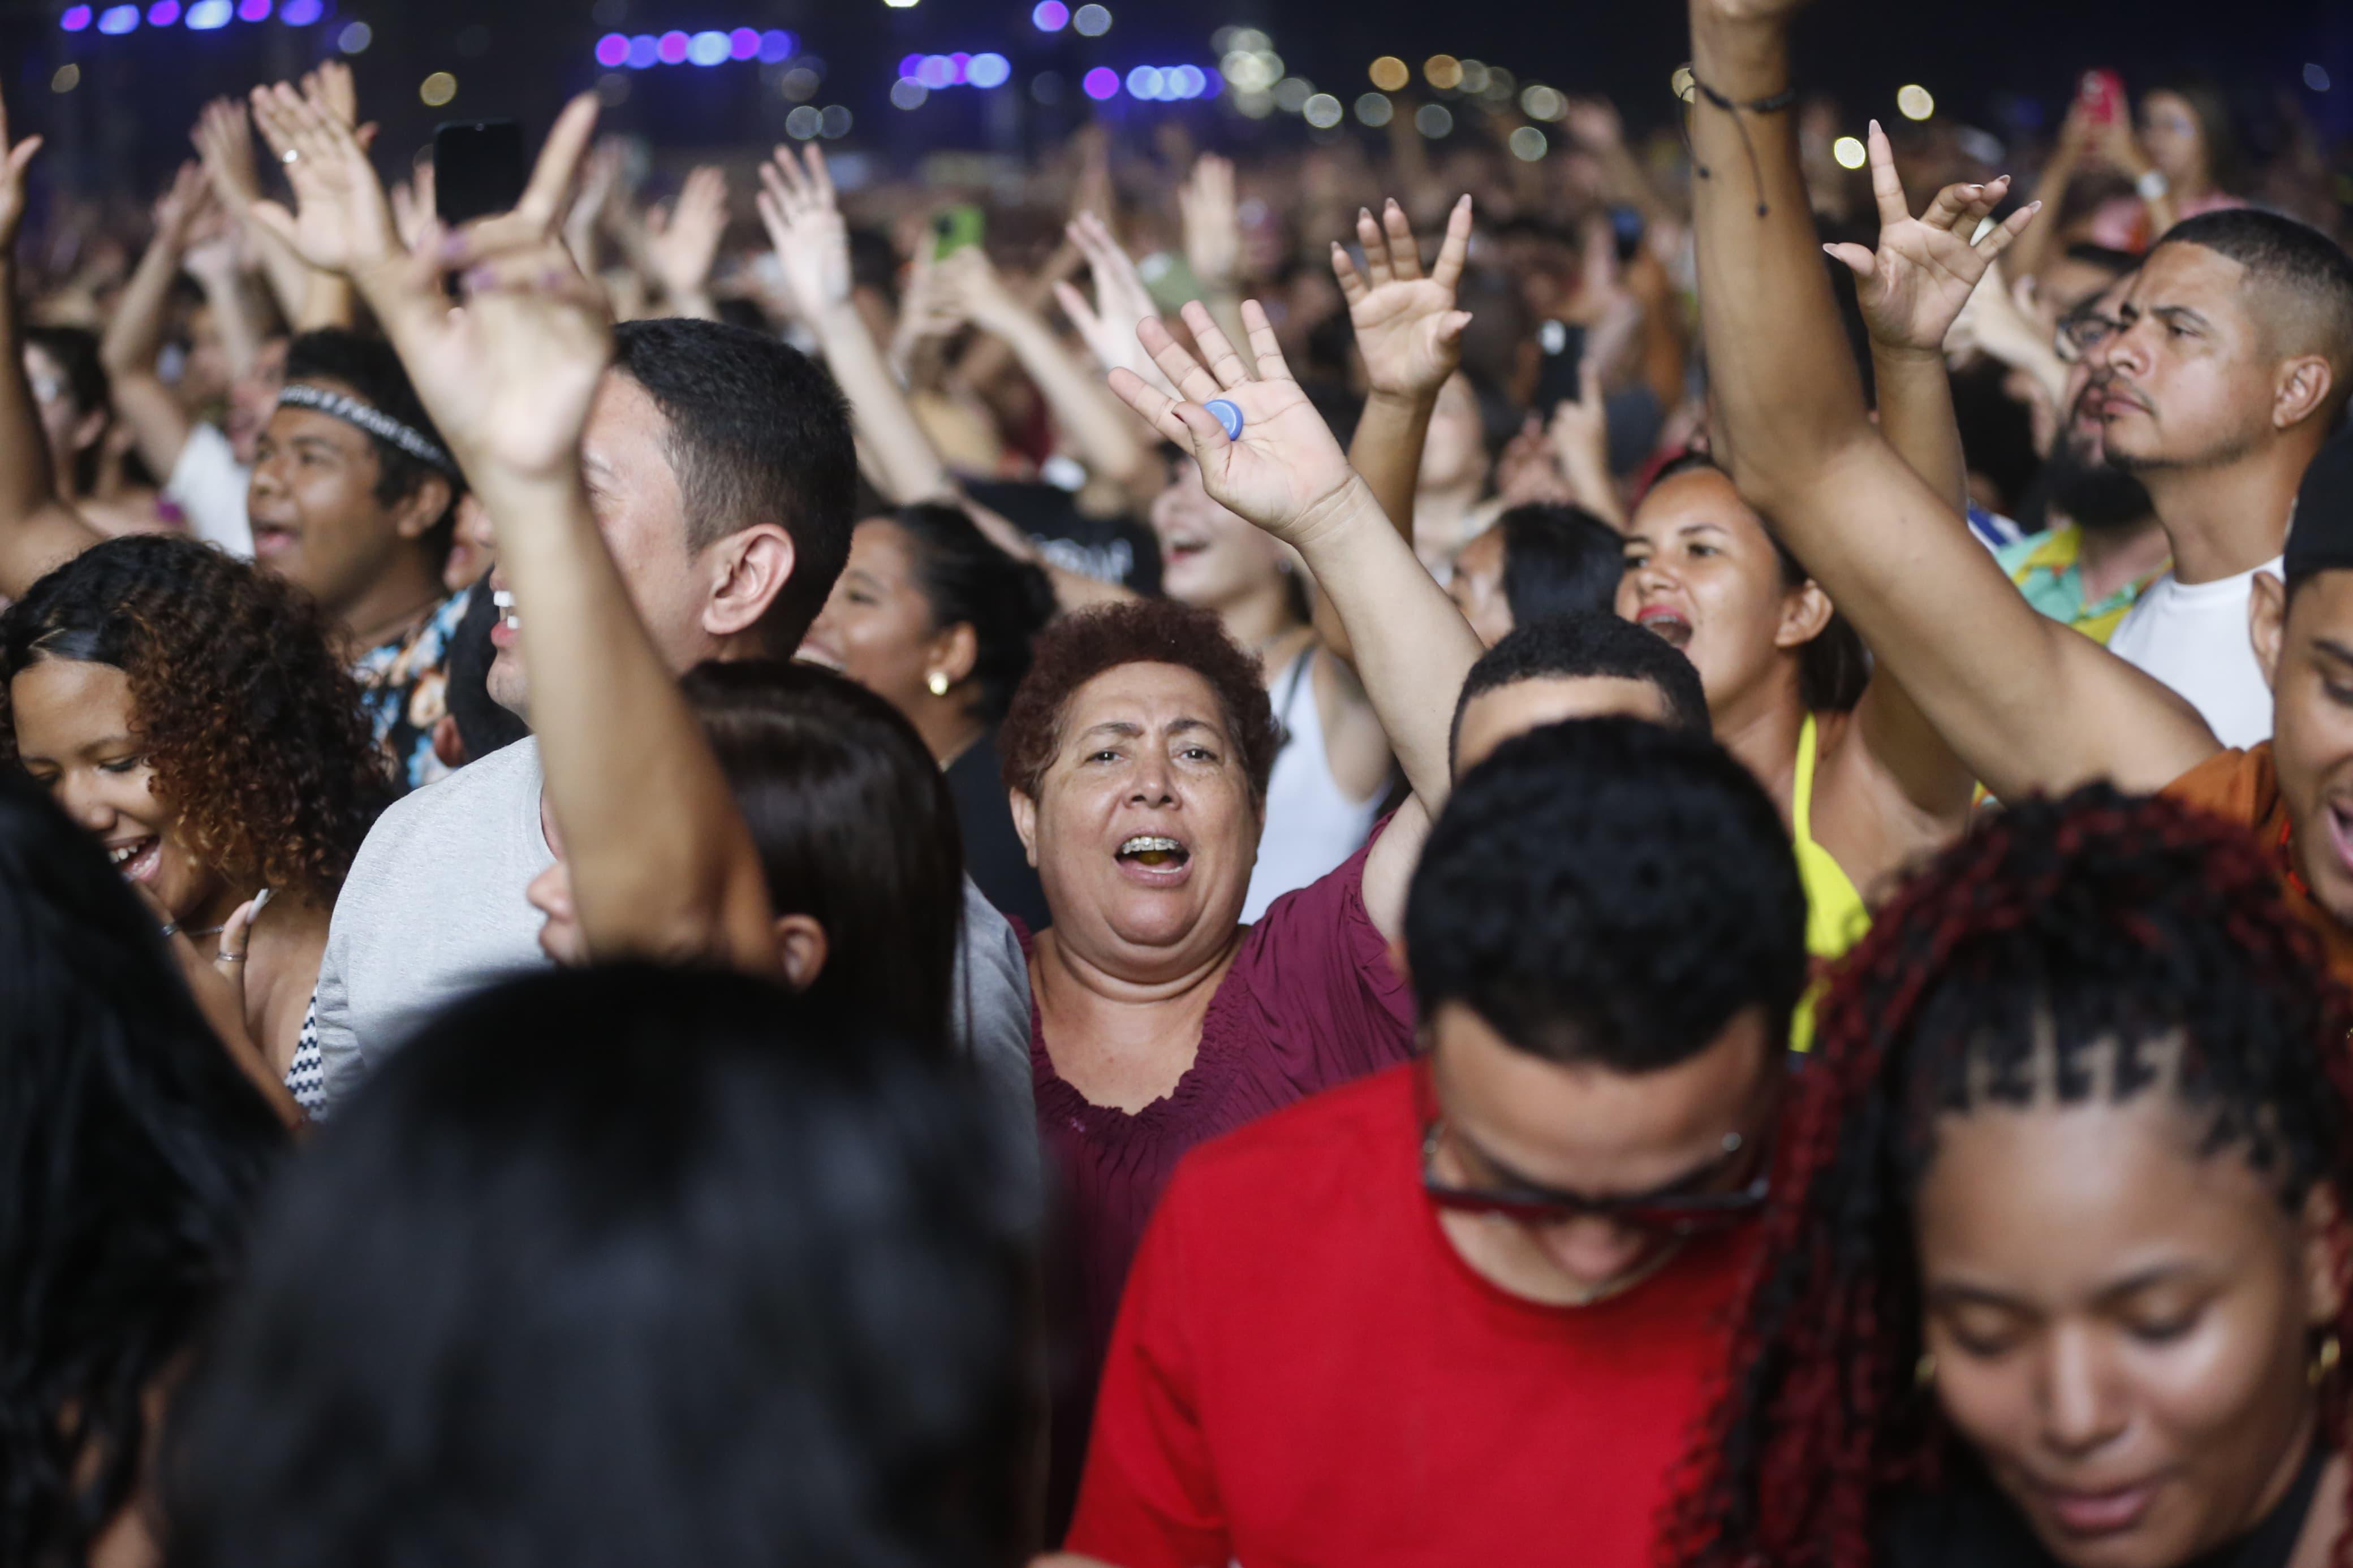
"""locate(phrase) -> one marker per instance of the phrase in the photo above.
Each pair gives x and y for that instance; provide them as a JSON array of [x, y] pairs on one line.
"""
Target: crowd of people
[[1352, 857]]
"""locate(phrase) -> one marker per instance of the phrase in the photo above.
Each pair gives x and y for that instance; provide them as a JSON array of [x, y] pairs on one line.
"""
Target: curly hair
[[1075, 650], [2066, 930], [254, 729]]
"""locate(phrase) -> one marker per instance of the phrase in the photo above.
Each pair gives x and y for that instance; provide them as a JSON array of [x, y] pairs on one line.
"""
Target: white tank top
[[1311, 826]]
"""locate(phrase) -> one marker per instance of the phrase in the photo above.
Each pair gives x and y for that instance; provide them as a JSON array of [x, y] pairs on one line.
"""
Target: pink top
[[1311, 1001], [2121, 223]]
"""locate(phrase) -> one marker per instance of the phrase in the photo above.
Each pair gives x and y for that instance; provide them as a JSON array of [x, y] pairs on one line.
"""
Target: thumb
[[1861, 259], [1450, 326], [1208, 436]]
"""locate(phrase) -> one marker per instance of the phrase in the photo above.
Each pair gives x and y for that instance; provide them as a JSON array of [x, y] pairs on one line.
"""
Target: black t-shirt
[[993, 856], [1119, 549]]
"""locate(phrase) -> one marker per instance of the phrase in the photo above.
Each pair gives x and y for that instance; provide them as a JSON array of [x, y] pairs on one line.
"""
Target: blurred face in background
[[1210, 557]]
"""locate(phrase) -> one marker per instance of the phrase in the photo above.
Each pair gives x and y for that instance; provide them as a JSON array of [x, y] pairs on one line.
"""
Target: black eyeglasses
[[1675, 1214]]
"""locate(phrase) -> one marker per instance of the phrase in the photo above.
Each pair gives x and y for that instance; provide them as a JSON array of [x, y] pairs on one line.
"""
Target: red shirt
[[1304, 1370]]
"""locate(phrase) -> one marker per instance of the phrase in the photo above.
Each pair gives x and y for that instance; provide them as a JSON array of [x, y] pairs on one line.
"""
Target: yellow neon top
[[1836, 916]]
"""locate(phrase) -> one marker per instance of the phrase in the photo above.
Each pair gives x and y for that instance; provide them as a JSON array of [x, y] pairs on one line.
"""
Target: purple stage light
[[116, 19], [1051, 16], [613, 50], [911, 65], [643, 52], [75, 19], [957, 65], [1100, 83], [776, 47], [991, 69], [743, 43], [253, 10], [301, 13], [936, 72], [163, 12], [673, 48]]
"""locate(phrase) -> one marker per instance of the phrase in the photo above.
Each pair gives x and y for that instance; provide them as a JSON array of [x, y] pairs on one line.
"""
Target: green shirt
[[2047, 568]]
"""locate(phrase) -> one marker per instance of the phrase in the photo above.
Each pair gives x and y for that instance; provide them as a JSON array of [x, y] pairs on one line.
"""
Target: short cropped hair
[[758, 433], [2303, 283], [1558, 559], [1610, 891], [1587, 645], [1075, 650]]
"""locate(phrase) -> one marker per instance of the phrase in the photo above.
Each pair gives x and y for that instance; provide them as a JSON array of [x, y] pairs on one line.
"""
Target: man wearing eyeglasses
[[2104, 547], [1469, 1310]]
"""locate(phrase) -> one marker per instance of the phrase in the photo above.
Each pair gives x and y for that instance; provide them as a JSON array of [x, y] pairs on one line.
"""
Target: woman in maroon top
[[1136, 753]]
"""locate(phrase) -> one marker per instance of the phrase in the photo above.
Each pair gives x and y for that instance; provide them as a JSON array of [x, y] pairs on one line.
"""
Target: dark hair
[[1076, 649], [1834, 669], [2116, 263], [2305, 277], [856, 828], [2216, 125], [2096, 927], [252, 723], [483, 726], [758, 433], [76, 352], [369, 368], [1590, 644], [1611, 891], [1558, 560], [131, 1146], [624, 1266], [966, 579]]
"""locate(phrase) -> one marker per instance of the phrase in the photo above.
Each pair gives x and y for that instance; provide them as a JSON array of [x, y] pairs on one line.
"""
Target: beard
[[2099, 496]]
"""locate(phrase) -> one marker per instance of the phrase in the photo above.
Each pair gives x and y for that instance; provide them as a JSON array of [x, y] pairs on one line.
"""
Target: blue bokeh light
[[75, 18], [707, 49], [743, 43], [644, 50], [991, 69], [117, 19], [205, 15], [672, 46], [776, 47], [163, 12], [1051, 16], [301, 13]]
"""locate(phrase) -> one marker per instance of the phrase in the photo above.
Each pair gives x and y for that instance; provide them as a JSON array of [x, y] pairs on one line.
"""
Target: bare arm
[[510, 377], [38, 530], [220, 271], [1410, 336], [2026, 703], [1286, 474], [158, 425], [797, 205], [1108, 438]]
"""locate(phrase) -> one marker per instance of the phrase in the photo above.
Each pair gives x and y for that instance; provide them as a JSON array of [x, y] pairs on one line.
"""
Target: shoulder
[[1285, 1162], [2241, 786], [466, 805]]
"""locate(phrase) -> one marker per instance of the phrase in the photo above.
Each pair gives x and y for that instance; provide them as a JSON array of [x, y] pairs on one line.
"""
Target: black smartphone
[[478, 168], [1557, 378]]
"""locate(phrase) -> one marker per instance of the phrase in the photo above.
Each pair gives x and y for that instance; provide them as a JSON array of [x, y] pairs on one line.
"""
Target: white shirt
[[2194, 638], [1311, 826], [208, 484]]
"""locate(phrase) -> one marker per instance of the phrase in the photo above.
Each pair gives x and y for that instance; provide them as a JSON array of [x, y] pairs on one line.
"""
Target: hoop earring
[[937, 683], [2324, 1361]]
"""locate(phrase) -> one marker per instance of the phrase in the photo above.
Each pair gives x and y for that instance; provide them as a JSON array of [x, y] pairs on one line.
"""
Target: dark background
[[2002, 64]]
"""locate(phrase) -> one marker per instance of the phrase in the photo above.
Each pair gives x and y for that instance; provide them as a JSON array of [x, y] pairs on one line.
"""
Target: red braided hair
[[2118, 921]]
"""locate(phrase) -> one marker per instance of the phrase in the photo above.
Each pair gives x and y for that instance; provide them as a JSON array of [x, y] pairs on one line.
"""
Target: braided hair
[[2099, 925]]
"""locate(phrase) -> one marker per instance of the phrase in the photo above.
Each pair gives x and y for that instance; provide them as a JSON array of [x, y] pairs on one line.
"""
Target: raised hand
[[966, 287], [509, 378], [223, 138], [15, 157], [1285, 471], [1407, 326], [682, 238], [803, 218], [413, 203], [342, 222], [1913, 288], [1213, 226], [184, 203], [1121, 303]]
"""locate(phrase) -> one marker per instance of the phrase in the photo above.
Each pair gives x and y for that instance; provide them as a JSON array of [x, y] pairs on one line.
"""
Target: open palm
[[1407, 326], [803, 218], [1913, 286], [342, 220], [1285, 468]]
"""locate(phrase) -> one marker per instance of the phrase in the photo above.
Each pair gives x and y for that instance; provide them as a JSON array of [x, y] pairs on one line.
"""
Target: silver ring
[[289, 155], [171, 929], [224, 956]]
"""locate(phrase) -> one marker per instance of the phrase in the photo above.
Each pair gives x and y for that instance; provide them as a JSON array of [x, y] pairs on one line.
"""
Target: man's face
[[2187, 383], [2090, 490], [1512, 1120], [2312, 736], [313, 503], [641, 512]]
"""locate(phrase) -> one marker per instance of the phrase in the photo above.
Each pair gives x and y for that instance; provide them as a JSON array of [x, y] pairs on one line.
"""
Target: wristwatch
[[2153, 186]]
